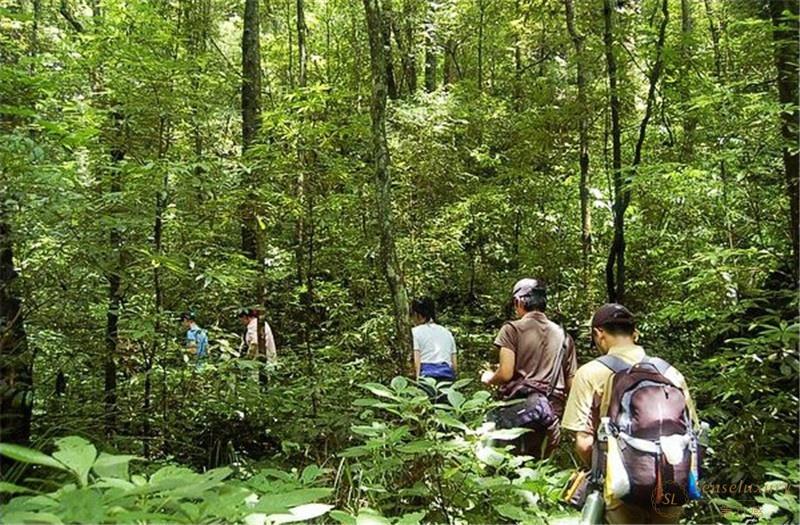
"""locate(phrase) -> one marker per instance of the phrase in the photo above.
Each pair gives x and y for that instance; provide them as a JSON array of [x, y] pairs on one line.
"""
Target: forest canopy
[[228, 175]]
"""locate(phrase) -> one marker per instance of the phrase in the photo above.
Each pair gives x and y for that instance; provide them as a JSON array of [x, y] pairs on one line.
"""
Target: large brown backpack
[[644, 408]]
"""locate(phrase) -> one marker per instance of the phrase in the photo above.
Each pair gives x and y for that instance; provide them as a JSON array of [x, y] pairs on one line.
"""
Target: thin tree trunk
[[301, 42], [386, 35], [583, 134], [481, 19], [16, 362], [388, 256], [430, 48], [114, 278], [714, 30], [411, 64], [251, 118], [618, 244], [687, 52], [784, 14], [622, 189]]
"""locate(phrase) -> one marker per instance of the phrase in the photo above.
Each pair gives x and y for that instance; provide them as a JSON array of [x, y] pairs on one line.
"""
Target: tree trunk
[[386, 35], [784, 14], [251, 118], [16, 362], [301, 42], [583, 134], [388, 256], [481, 18], [622, 192], [430, 48], [616, 254], [687, 52], [714, 30], [114, 279]]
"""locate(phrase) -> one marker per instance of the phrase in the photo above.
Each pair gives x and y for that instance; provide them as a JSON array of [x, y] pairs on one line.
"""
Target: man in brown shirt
[[529, 348]]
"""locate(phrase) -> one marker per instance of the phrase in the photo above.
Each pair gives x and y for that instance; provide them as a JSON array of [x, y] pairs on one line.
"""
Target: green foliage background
[[486, 190]]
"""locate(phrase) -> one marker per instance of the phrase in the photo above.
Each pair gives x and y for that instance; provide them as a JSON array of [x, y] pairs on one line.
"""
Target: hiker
[[434, 346], [634, 411], [250, 320], [196, 339], [537, 362]]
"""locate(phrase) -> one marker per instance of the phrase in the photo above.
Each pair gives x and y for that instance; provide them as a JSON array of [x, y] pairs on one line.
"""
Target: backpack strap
[[614, 363], [661, 365]]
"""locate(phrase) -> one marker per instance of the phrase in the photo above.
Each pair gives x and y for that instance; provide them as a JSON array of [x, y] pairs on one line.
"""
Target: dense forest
[[326, 161]]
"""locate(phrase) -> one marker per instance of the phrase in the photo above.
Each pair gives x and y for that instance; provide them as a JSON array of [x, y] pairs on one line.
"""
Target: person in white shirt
[[434, 346], [249, 319]]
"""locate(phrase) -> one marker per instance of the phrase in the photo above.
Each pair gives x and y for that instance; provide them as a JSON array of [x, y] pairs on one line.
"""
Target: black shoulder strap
[[614, 363]]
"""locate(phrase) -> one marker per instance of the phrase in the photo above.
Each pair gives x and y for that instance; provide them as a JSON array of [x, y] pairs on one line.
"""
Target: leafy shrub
[[99, 488], [435, 455]]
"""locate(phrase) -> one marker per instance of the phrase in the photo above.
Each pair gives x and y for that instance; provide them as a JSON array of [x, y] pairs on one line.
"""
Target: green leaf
[[399, 383], [456, 398], [368, 517], [112, 466], [77, 454], [31, 517], [279, 503], [507, 434], [10, 488], [379, 390], [29, 455], [414, 518], [301, 513], [342, 517]]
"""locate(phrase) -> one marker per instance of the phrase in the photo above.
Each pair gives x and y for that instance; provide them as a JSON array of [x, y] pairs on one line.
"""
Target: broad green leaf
[[31, 517], [342, 517], [456, 398], [379, 390], [367, 517], [29, 455], [399, 383], [507, 434], [82, 506], [77, 454], [414, 518], [301, 513], [10, 488], [112, 466], [280, 503]]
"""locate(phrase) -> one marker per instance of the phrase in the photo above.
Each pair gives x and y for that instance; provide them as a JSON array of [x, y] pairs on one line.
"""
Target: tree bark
[[16, 362], [386, 35], [301, 42], [114, 278], [430, 48], [251, 117], [622, 192], [617, 251], [714, 30], [388, 256], [583, 133], [784, 15], [687, 52], [481, 19]]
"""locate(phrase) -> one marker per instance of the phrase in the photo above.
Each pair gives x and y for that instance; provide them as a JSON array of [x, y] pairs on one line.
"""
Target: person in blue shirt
[[196, 339]]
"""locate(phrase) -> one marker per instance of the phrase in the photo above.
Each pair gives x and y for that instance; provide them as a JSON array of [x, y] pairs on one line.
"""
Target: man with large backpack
[[537, 362], [634, 422]]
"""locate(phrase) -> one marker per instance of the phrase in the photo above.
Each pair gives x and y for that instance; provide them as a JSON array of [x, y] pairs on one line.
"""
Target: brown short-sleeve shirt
[[535, 341]]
